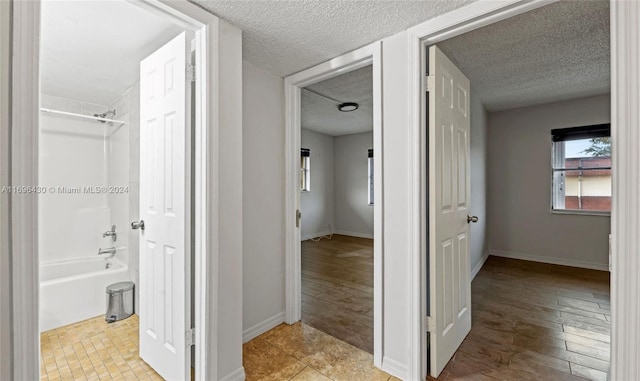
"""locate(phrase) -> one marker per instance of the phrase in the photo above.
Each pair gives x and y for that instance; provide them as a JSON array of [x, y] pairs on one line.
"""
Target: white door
[[164, 208], [449, 191]]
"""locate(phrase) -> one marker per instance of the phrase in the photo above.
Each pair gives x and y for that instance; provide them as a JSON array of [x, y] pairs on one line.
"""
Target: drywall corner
[[476, 269], [228, 347], [478, 231]]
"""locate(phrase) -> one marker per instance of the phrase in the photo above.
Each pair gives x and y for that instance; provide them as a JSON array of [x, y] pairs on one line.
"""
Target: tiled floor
[[337, 288], [301, 353], [94, 350]]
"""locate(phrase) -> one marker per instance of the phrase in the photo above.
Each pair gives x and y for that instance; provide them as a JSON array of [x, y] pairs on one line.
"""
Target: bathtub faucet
[[111, 251], [111, 233]]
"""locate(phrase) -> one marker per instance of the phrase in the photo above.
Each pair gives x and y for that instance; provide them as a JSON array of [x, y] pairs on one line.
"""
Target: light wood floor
[[337, 288], [534, 321]]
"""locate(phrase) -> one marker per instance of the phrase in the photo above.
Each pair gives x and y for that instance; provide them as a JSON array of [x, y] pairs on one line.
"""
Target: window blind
[[585, 132]]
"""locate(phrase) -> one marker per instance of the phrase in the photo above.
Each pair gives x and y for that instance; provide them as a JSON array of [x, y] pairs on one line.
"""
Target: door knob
[[135, 225], [473, 219]]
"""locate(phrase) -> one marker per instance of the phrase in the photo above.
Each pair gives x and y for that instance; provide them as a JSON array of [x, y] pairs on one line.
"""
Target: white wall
[[353, 214], [397, 249], [263, 270], [479, 249], [5, 298], [521, 224], [227, 341], [317, 206], [72, 154]]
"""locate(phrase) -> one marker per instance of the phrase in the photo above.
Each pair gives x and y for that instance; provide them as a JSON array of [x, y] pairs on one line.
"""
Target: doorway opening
[[336, 205], [297, 88], [525, 111], [115, 162]]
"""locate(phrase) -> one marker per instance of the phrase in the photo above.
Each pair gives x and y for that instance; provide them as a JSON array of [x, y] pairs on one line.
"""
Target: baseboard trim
[[550, 260], [478, 267], [262, 327], [236, 375], [394, 368], [314, 235], [354, 234]]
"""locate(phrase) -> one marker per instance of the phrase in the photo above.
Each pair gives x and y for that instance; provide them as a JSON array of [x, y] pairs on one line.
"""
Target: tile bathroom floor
[[300, 352], [94, 350]]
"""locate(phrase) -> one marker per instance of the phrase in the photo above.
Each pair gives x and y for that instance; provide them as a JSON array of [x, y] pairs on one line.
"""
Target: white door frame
[[24, 171], [625, 117], [463, 20], [367, 55]]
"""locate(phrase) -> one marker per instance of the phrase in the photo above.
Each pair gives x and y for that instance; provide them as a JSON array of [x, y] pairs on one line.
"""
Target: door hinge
[[428, 83], [428, 322], [191, 73], [298, 216], [190, 335]]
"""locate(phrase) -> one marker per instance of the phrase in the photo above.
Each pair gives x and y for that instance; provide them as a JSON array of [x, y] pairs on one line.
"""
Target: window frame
[[305, 170], [370, 178], [568, 134]]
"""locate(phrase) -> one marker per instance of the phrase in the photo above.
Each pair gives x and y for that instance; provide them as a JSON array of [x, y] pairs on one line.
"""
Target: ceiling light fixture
[[348, 106]]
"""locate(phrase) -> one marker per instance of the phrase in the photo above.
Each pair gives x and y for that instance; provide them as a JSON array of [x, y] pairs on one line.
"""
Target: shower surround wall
[[72, 156], [76, 155]]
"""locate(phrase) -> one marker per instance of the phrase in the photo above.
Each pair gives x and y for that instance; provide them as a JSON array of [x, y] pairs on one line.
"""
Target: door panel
[[164, 189], [449, 178]]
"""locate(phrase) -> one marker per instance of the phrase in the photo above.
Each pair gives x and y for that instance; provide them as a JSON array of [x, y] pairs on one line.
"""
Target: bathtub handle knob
[[135, 225]]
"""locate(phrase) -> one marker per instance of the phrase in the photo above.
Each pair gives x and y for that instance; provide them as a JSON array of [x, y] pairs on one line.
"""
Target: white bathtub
[[73, 290]]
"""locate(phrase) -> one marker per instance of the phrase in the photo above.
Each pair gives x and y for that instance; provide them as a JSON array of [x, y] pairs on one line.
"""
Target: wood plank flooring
[[534, 321], [337, 288]]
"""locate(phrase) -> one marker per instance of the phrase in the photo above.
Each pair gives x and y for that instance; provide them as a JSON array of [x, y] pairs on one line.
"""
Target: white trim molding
[[354, 234], [478, 267], [625, 211], [315, 235], [24, 207], [236, 375], [6, 325], [262, 327], [367, 55], [550, 260], [394, 368]]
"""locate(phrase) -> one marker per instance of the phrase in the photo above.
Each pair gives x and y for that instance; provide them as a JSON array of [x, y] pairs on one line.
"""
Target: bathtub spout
[[111, 251]]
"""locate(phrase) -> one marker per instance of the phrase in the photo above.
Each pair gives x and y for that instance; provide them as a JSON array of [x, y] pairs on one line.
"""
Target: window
[[581, 164], [370, 155], [305, 156]]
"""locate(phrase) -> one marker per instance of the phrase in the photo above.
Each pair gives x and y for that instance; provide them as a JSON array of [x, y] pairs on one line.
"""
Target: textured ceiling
[[322, 115], [91, 50], [557, 52], [286, 36]]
